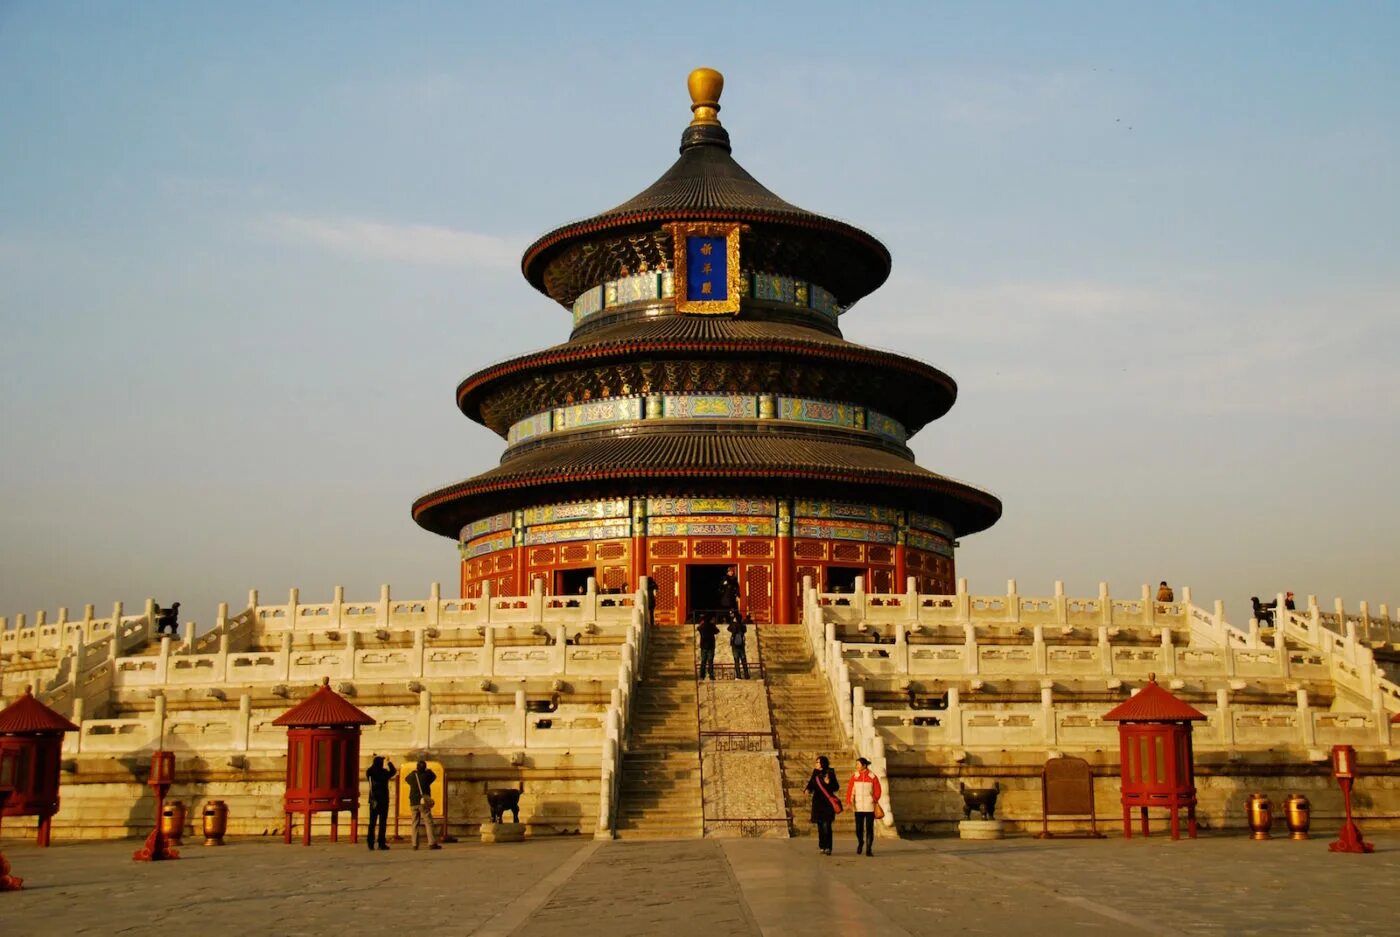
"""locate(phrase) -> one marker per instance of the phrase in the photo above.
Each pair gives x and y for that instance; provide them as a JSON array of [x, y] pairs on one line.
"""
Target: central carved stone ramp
[[660, 796], [806, 722]]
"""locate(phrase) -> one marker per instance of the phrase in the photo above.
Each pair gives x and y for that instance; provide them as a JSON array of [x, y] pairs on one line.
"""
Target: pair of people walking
[[862, 795], [708, 631], [420, 800]]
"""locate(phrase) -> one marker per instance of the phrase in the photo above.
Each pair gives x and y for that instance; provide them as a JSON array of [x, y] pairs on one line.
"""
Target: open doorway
[[842, 578], [702, 588], [572, 581]]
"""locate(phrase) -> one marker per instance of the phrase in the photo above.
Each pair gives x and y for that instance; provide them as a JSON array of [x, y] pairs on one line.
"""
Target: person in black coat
[[729, 596], [379, 778], [707, 630], [825, 790]]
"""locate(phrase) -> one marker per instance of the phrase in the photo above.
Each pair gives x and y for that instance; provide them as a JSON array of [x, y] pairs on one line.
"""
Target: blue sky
[[247, 251]]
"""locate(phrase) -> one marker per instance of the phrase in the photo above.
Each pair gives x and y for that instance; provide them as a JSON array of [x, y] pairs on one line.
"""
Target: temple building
[[706, 411]]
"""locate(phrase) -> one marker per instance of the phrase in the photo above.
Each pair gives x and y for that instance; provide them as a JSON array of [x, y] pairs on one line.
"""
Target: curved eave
[[472, 390], [875, 255], [623, 466]]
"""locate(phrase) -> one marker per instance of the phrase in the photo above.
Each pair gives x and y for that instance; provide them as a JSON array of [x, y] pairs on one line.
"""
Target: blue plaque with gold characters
[[706, 267]]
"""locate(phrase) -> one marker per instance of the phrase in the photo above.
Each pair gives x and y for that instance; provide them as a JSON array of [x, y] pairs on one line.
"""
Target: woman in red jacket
[[863, 796]]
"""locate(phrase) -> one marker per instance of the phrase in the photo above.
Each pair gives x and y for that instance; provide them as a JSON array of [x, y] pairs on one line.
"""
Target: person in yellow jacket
[[863, 796]]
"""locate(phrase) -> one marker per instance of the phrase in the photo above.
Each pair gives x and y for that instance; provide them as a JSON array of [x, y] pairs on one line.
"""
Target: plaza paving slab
[[1219, 884]]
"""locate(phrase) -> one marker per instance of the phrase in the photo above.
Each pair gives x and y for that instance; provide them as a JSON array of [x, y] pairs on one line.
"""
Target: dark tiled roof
[[706, 184], [683, 461], [28, 716], [325, 707], [1153, 704], [905, 388]]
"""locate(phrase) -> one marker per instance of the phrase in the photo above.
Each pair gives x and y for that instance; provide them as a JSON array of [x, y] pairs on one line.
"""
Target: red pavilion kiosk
[[323, 760], [31, 744], [1156, 757]]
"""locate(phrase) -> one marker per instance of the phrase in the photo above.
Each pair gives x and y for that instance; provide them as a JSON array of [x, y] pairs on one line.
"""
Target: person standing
[[863, 796], [737, 636], [729, 595], [420, 798], [379, 777], [708, 632], [824, 788]]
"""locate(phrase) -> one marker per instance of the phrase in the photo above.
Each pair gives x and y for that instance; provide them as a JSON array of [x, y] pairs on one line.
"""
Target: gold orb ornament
[[705, 86]]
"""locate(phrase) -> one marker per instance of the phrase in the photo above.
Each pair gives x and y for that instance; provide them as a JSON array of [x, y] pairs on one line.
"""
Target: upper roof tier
[[706, 184]]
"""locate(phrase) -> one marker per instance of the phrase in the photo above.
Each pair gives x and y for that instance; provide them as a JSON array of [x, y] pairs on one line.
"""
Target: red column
[[901, 573], [522, 583]]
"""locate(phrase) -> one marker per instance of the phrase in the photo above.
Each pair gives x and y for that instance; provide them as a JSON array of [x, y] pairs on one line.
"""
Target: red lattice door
[[667, 578], [758, 591]]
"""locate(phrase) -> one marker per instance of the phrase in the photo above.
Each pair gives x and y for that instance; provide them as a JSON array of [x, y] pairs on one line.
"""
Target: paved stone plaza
[[1216, 885]]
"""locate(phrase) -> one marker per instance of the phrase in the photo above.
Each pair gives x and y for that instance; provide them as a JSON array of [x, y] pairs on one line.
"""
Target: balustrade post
[[901, 647], [1149, 606], [1105, 604], [1305, 721], [352, 647], [1169, 651], [486, 603], [293, 600], [953, 715], [962, 602], [561, 649], [423, 722], [284, 655], [971, 663], [518, 719], [163, 668], [1013, 603], [76, 738], [338, 606], [221, 665], [243, 725], [1364, 614], [420, 639], [1038, 648], [1105, 651], [384, 600], [1047, 710], [1253, 640], [1227, 718], [434, 609], [1061, 605], [488, 650]]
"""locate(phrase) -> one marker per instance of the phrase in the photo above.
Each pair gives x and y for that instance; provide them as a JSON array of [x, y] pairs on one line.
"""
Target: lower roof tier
[[720, 463], [706, 354]]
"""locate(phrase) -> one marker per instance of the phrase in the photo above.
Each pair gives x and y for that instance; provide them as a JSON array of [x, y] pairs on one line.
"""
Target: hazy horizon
[[248, 252]]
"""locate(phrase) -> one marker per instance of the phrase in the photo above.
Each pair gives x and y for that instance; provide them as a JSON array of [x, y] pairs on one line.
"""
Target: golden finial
[[705, 85]]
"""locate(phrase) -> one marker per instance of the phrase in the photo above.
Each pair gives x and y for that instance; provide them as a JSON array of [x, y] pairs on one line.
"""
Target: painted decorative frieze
[[710, 407], [486, 525], [702, 526], [663, 507], [586, 530], [929, 523], [818, 529], [843, 510], [922, 541], [487, 544], [578, 510], [660, 285]]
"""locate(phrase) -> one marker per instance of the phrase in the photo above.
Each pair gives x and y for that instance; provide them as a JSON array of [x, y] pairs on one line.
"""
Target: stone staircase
[[660, 796], [806, 723]]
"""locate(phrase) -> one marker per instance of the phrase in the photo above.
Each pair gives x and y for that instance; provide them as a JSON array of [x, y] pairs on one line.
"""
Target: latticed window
[[711, 549], [576, 553], [757, 548], [849, 552], [612, 551], [668, 548]]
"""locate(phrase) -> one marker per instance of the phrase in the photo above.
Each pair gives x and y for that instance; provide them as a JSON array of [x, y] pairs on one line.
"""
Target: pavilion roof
[[325, 707], [1153, 704], [27, 715]]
